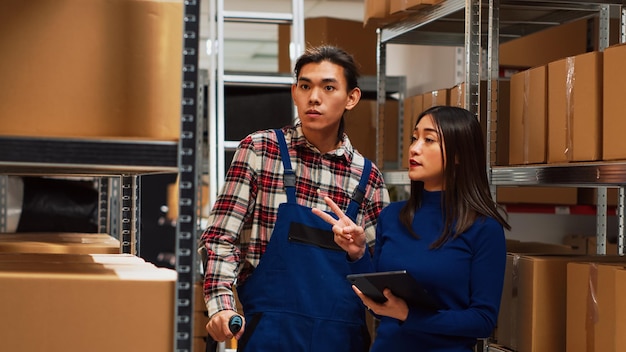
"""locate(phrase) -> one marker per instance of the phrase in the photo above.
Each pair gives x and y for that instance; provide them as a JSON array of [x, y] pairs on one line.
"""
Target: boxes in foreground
[[68, 302]]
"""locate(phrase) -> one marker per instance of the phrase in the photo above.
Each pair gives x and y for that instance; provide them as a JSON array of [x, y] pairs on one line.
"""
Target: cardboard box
[[589, 196], [398, 6], [332, 31], [620, 309], [536, 195], [46, 242], [527, 247], [104, 259], [95, 69], [361, 128], [57, 306], [533, 311], [528, 117], [591, 301], [575, 108], [545, 46], [587, 244], [500, 116], [614, 123], [375, 11], [413, 106]]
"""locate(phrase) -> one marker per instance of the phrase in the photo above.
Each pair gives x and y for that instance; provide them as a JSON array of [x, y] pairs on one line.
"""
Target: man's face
[[321, 96]]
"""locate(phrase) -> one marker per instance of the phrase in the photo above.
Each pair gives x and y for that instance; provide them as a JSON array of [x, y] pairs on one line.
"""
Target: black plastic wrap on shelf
[[58, 205]]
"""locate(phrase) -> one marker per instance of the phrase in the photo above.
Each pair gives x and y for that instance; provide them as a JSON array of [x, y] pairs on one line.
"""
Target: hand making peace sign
[[348, 235]]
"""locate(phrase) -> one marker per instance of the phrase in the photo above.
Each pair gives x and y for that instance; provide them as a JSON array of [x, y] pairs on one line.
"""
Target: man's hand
[[218, 327], [348, 235]]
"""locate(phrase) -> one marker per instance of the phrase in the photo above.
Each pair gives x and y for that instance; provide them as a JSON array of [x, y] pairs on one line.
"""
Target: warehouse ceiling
[[254, 47]]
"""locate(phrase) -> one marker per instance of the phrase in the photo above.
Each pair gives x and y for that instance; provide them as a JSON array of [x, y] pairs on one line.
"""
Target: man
[[263, 237]]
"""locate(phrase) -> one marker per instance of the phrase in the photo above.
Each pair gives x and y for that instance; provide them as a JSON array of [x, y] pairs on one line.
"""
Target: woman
[[449, 235]]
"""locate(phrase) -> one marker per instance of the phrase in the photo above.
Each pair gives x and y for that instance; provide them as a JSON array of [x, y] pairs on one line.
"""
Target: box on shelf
[[399, 6], [500, 116], [361, 128], [620, 307], [528, 117], [91, 69], [413, 106], [59, 242], [536, 195], [575, 108], [589, 196], [526, 247], [614, 123], [587, 244], [533, 311], [86, 307], [545, 46], [375, 13], [78, 258], [591, 303], [332, 31]]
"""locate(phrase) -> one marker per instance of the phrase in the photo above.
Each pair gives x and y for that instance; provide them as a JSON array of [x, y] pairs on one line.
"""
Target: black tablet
[[401, 284]]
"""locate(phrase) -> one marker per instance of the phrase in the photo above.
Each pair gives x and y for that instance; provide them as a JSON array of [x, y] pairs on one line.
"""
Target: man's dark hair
[[332, 54]]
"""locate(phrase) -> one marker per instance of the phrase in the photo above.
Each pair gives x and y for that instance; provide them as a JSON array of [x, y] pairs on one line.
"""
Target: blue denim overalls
[[298, 298]]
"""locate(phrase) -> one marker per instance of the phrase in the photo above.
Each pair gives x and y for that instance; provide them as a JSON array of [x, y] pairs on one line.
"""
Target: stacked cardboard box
[[614, 75], [534, 309], [575, 108], [91, 69], [592, 301], [58, 242], [82, 302]]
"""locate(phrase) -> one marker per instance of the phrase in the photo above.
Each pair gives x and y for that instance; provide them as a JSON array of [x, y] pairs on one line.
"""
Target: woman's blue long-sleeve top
[[465, 275]]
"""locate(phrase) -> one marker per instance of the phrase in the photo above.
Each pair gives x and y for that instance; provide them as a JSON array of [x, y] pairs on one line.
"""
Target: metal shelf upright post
[[189, 151]]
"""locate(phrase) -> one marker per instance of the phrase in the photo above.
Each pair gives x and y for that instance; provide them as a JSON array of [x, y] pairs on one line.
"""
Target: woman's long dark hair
[[336, 56], [466, 195]]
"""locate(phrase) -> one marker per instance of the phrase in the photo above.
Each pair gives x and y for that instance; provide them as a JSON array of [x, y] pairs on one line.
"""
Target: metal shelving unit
[[480, 25], [123, 161], [463, 23]]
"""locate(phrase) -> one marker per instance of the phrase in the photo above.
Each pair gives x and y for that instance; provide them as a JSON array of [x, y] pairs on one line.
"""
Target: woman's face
[[425, 159]]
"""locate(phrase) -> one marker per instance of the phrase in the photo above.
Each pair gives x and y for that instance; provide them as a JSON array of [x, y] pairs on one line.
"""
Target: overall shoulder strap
[[289, 177], [359, 193]]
